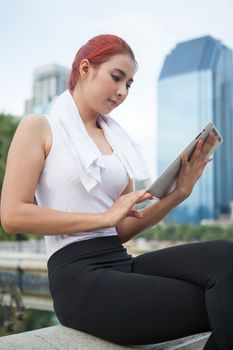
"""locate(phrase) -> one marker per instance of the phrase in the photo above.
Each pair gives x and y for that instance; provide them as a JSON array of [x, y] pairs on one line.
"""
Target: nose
[[122, 91]]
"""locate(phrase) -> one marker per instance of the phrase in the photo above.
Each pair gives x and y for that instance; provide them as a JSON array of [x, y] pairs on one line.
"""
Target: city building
[[196, 86], [48, 82]]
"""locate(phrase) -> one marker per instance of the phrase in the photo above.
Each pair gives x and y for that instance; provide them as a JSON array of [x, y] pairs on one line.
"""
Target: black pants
[[97, 287]]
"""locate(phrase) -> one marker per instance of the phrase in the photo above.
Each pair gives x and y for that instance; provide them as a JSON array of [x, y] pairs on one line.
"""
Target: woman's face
[[108, 84]]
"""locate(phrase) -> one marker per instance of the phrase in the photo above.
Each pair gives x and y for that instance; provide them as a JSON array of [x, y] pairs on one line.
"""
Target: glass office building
[[48, 82], [196, 86]]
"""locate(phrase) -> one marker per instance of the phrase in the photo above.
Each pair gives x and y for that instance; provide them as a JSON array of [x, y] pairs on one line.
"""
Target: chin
[[105, 111]]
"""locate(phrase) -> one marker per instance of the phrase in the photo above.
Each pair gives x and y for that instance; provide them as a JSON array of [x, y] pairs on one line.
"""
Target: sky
[[35, 33]]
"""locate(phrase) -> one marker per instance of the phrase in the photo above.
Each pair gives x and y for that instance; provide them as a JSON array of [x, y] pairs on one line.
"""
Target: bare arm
[[189, 174], [25, 162]]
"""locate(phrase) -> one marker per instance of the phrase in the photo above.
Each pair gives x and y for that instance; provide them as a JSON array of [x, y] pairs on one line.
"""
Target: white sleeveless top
[[59, 188]]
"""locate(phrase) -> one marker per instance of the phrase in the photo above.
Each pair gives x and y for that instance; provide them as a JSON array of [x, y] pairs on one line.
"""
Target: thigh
[[131, 308], [193, 262]]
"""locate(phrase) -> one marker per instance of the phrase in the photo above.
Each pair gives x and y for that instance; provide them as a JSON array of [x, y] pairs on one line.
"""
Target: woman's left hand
[[192, 169]]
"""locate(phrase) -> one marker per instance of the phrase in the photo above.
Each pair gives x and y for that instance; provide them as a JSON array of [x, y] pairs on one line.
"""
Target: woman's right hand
[[192, 169], [123, 207]]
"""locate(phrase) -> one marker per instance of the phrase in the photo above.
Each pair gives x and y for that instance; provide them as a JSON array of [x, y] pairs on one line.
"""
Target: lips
[[113, 103]]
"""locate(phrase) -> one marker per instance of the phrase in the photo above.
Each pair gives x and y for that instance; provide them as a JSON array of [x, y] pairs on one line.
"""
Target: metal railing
[[23, 284]]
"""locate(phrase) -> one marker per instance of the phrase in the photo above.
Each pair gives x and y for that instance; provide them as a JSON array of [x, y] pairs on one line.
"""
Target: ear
[[84, 68]]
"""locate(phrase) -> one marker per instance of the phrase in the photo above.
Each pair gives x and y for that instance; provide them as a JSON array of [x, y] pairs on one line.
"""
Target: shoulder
[[35, 124], [34, 121], [36, 127]]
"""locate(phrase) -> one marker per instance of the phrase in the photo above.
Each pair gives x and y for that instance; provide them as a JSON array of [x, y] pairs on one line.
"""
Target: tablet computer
[[165, 183]]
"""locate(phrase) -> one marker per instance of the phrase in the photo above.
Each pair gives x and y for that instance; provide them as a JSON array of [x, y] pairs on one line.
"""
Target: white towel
[[88, 156]]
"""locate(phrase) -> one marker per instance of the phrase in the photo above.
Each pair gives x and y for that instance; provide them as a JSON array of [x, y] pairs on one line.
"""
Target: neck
[[89, 117]]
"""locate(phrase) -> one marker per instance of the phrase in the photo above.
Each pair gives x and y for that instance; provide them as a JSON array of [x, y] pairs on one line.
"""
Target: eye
[[128, 86], [115, 77]]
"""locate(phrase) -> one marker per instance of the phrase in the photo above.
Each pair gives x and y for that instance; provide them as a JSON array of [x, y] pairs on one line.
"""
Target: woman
[[80, 164]]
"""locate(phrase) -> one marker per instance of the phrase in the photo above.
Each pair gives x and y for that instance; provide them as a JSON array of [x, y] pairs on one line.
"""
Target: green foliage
[[4, 236], [188, 233], [34, 319], [8, 125]]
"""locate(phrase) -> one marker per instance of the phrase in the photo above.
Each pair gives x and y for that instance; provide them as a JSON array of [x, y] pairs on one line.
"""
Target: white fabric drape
[[87, 154]]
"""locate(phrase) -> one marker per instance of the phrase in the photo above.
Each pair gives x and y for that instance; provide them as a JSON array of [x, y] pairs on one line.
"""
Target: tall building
[[48, 82], [196, 86]]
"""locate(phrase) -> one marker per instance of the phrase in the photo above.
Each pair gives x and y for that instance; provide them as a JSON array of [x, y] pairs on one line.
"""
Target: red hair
[[97, 50]]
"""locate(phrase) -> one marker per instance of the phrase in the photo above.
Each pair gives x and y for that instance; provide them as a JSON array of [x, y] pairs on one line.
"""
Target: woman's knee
[[220, 253], [223, 248]]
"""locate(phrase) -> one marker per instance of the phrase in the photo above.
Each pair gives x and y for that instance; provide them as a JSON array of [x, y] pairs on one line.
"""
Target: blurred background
[[184, 80]]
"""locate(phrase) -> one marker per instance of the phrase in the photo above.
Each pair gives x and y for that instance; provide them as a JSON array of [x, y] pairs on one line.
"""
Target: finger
[[146, 196], [197, 150], [209, 143], [142, 196], [141, 192], [137, 197], [203, 148], [184, 159], [208, 160], [199, 144], [133, 197], [150, 196], [137, 194]]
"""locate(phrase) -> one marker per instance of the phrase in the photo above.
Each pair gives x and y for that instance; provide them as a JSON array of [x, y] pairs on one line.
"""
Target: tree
[[8, 125], [187, 233]]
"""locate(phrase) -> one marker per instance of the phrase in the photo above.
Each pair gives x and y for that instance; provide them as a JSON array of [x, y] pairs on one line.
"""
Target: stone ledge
[[60, 338]]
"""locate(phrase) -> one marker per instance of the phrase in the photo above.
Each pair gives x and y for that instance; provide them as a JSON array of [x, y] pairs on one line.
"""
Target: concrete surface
[[60, 338]]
